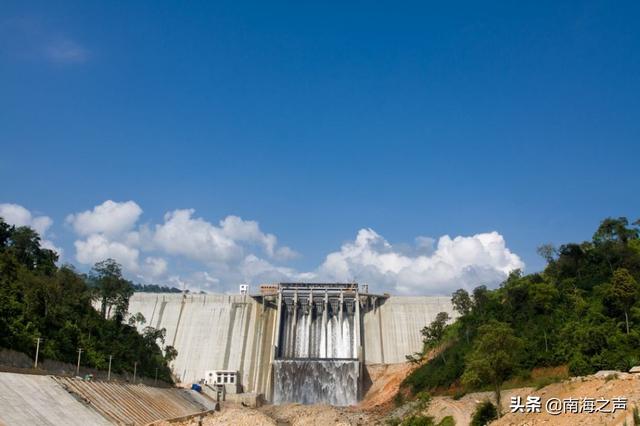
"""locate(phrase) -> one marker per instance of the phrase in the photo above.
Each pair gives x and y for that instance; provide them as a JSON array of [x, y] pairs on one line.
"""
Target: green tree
[[547, 252], [25, 243], [544, 297], [170, 353], [462, 304], [615, 230], [433, 333], [480, 299], [111, 289], [493, 358], [40, 299], [625, 291], [461, 301]]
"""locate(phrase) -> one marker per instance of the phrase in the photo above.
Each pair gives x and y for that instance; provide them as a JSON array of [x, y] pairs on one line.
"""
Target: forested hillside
[[582, 311], [41, 300]]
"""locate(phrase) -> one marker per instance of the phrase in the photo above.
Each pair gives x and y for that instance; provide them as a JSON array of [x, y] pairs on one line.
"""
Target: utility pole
[[78, 367], [37, 351], [135, 368], [109, 372]]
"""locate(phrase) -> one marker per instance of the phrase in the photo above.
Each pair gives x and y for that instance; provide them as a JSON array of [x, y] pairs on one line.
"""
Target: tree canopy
[[38, 299], [582, 311]]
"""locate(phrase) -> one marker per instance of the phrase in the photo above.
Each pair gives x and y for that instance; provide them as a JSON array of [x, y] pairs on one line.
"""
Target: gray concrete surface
[[39, 400], [235, 332], [124, 403], [212, 332], [392, 330]]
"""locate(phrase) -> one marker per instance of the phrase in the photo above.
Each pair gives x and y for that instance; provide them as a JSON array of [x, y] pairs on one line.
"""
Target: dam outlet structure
[[290, 342], [319, 345]]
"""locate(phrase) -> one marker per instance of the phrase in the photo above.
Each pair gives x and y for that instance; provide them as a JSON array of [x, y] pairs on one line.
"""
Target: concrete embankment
[[48, 400], [136, 404], [40, 400]]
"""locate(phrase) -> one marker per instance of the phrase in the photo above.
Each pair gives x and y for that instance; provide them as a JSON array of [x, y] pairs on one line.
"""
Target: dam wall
[[392, 326], [241, 332], [213, 332]]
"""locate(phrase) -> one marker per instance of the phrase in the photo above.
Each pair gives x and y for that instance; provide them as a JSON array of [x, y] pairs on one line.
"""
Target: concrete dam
[[292, 342]]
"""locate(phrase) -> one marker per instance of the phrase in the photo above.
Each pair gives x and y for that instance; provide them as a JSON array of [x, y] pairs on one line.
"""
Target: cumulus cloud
[[18, 215], [236, 250], [195, 238], [111, 229], [186, 235], [97, 247], [256, 270], [461, 262], [153, 268], [109, 218]]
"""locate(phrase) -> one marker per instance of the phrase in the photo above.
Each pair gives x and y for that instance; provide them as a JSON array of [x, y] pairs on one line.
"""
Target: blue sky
[[415, 120]]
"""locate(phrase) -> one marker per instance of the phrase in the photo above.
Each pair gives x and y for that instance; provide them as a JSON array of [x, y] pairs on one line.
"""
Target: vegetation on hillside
[[155, 288], [583, 311], [38, 299]]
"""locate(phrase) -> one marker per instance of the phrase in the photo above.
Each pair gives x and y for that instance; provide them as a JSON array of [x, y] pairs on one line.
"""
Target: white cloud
[[459, 262], [110, 218], [97, 247], [236, 250], [154, 266], [249, 231], [256, 270], [195, 238], [17, 215], [285, 253], [111, 229]]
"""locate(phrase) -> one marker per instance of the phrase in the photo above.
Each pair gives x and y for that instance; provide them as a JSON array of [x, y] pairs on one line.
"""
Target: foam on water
[[332, 382], [317, 356]]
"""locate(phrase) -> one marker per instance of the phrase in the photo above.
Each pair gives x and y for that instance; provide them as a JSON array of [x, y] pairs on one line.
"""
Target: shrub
[[485, 412], [447, 421]]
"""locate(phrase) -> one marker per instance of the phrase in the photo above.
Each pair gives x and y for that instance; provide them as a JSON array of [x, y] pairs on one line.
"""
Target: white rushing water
[[317, 356], [332, 382], [307, 334]]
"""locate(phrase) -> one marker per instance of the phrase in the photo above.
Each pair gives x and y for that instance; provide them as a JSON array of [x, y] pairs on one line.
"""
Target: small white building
[[227, 379]]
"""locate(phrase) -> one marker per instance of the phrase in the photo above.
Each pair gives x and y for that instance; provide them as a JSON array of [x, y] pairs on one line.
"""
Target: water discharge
[[317, 360], [332, 382], [309, 335]]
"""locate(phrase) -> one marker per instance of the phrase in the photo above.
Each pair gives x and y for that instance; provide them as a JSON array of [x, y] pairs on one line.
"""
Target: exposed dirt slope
[[386, 381], [596, 386]]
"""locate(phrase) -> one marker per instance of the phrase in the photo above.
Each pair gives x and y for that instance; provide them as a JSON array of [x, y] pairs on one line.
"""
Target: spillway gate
[[318, 352]]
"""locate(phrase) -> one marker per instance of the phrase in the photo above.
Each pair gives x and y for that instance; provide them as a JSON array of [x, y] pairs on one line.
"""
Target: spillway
[[319, 340]]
